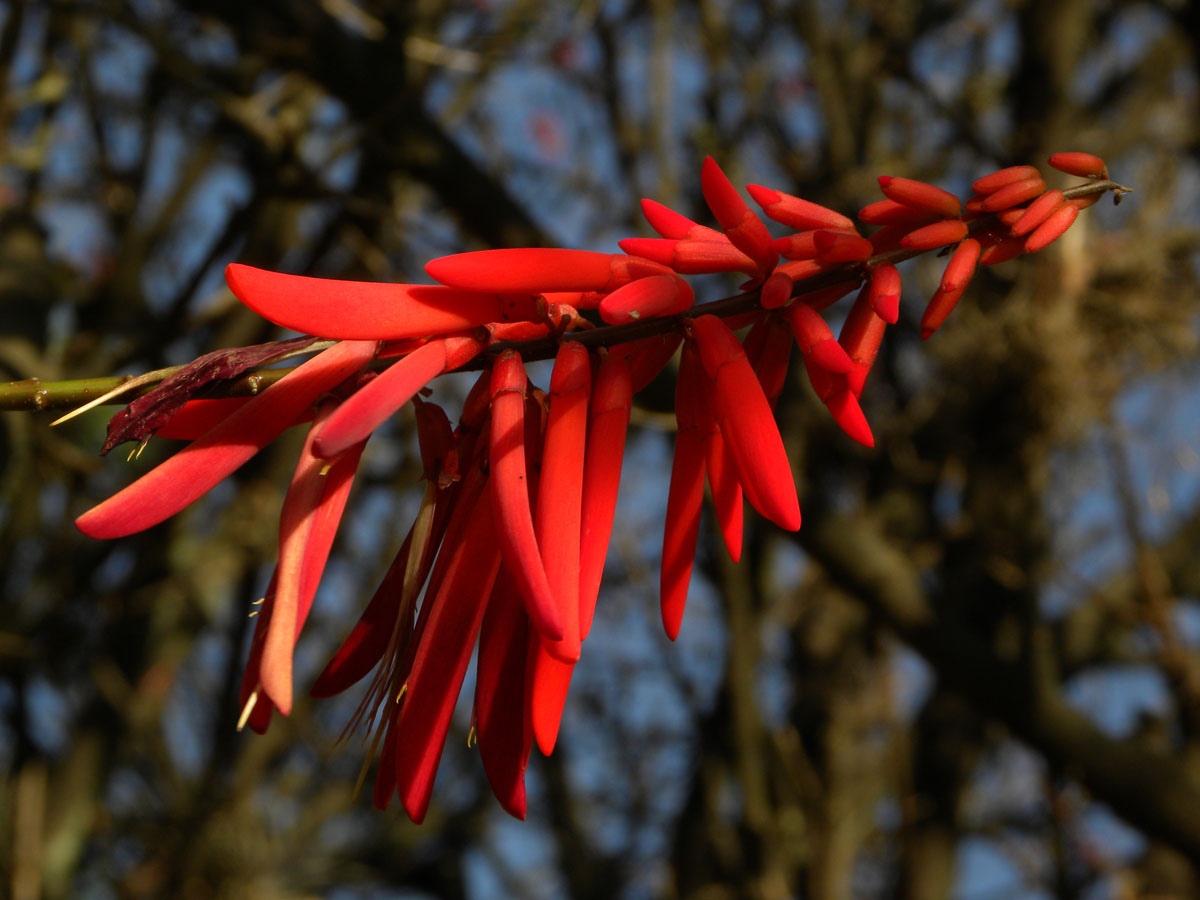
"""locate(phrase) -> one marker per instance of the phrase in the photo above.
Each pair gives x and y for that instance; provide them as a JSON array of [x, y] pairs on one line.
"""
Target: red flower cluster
[[513, 529]]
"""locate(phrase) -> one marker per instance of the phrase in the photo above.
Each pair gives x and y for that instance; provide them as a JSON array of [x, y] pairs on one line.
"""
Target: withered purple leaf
[[150, 412]]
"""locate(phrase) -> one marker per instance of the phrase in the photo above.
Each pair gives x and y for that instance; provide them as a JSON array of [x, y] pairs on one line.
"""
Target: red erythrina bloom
[[509, 543]]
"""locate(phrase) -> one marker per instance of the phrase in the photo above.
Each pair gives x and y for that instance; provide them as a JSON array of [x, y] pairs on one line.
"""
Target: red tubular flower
[[838, 247], [657, 295], [948, 231], [692, 257], [1052, 229], [670, 224], [1002, 250], [364, 310], [888, 237], [1013, 194], [745, 229], [861, 336], [722, 479], [441, 659], [940, 306], [800, 269], [538, 269], [686, 493], [307, 525], [803, 215], [502, 720], [608, 420], [815, 339], [919, 195], [510, 493], [313, 508], [961, 268], [368, 407], [768, 346], [991, 183], [746, 423], [649, 356], [560, 491], [1085, 165], [889, 212], [1037, 212], [194, 471], [797, 246], [776, 290], [885, 292]]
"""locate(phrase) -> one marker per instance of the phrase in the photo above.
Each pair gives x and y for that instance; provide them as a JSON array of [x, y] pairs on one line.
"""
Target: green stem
[[35, 394]]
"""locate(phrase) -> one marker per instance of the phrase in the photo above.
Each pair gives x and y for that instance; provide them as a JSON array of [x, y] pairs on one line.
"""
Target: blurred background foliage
[[974, 673]]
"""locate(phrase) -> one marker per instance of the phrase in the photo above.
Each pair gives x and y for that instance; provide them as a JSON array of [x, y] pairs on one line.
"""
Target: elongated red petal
[[948, 231], [692, 257], [725, 487], [747, 424], [297, 521], [797, 246], [649, 356], [360, 310], [560, 490], [889, 212], [502, 721], [776, 290], [548, 696], [885, 292], [989, 184], [920, 195], [745, 229], [1052, 229], [510, 492], [670, 224], [816, 340], [803, 215], [371, 405], [199, 416], [1085, 165], [861, 336], [1013, 194], [195, 470], [800, 269], [685, 496], [1000, 251], [961, 268], [1037, 212], [441, 659], [538, 269], [768, 346], [608, 420], [838, 247], [940, 306], [658, 295]]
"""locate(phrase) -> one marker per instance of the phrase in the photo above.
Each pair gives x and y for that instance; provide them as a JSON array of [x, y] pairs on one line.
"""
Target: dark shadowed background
[[973, 674]]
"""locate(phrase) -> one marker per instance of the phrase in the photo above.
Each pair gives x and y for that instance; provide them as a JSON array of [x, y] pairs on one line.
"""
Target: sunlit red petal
[[510, 492], [658, 295], [685, 496], [1013, 194], [745, 229], [538, 269], [560, 490], [608, 420], [442, 656], [1052, 229], [948, 231], [1085, 165], [1037, 212], [670, 224], [989, 184], [371, 405], [747, 424], [889, 212], [360, 310], [803, 215], [920, 195], [885, 292], [961, 268], [501, 719]]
